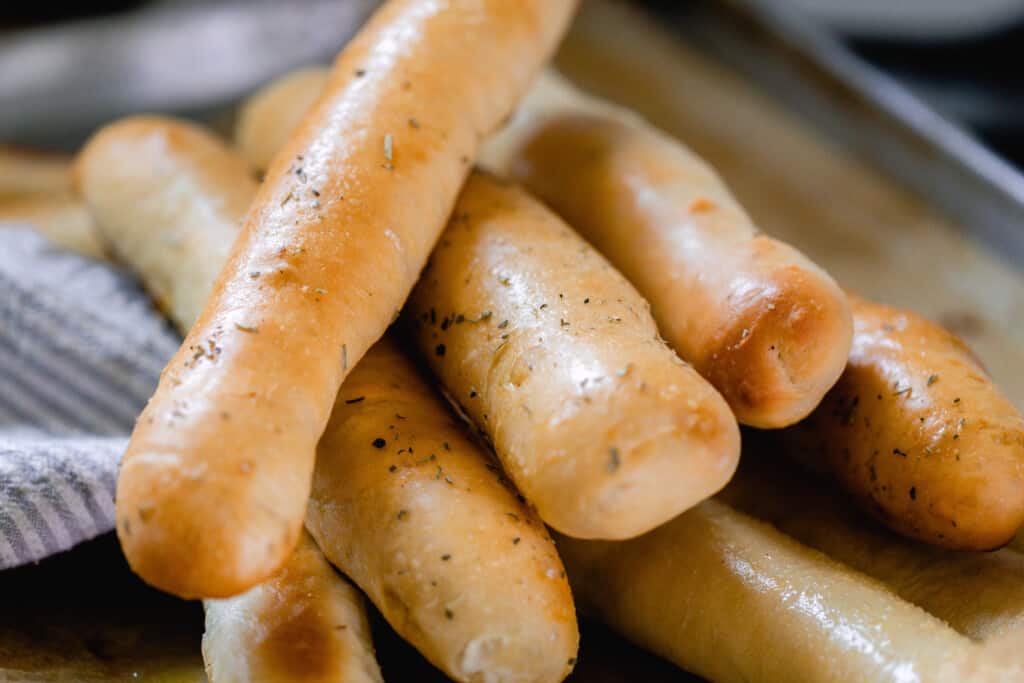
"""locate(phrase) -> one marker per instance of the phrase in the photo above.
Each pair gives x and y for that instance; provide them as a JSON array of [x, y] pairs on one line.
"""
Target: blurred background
[[63, 71]]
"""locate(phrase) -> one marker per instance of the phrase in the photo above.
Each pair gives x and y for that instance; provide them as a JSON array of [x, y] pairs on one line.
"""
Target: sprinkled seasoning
[[379, 443], [440, 349], [613, 459], [446, 557], [389, 148], [932, 379], [898, 452], [413, 123], [515, 541], [357, 399], [251, 329], [913, 493], [402, 514], [344, 358], [503, 324]]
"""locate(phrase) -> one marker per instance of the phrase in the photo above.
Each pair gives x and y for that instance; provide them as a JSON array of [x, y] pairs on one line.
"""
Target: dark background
[[974, 77]]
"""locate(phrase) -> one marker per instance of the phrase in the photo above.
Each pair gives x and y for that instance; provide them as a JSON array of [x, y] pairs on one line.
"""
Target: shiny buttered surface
[[410, 506], [555, 357], [765, 325], [979, 594], [732, 599], [527, 631], [330, 248], [917, 432]]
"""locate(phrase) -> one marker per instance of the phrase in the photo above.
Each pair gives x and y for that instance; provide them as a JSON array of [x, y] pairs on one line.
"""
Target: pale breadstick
[[515, 616], [979, 594], [269, 116], [306, 624], [918, 433], [767, 327], [62, 219], [407, 504], [557, 359], [168, 197], [729, 598], [214, 483]]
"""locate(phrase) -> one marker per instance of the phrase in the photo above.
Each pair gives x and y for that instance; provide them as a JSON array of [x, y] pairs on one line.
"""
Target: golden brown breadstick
[[26, 172], [979, 594], [557, 359], [214, 483], [765, 325], [515, 620], [305, 624], [167, 197], [171, 195], [917, 432], [269, 116], [732, 599], [406, 504], [62, 219]]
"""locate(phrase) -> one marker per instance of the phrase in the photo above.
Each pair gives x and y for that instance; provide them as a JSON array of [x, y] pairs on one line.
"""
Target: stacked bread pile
[[409, 367]]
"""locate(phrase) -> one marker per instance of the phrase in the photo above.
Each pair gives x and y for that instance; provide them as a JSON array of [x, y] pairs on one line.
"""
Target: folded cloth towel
[[81, 350]]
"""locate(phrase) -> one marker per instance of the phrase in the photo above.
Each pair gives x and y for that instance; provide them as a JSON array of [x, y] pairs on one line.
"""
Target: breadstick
[[28, 172], [305, 624], [269, 116], [406, 504], [917, 432], [766, 326], [731, 599], [62, 219], [168, 197], [214, 483], [516, 619], [556, 358], [979, 594]]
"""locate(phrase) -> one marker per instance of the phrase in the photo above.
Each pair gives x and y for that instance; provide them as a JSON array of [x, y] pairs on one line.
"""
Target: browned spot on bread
[[298, 646]]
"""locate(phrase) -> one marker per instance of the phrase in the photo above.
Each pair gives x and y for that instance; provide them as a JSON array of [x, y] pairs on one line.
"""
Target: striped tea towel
[[81, 350]]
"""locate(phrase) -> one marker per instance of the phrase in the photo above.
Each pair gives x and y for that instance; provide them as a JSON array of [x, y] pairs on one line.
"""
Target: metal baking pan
[[816, 76]]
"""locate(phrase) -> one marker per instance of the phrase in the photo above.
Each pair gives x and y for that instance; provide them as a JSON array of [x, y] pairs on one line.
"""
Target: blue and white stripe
[[81, 350]]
